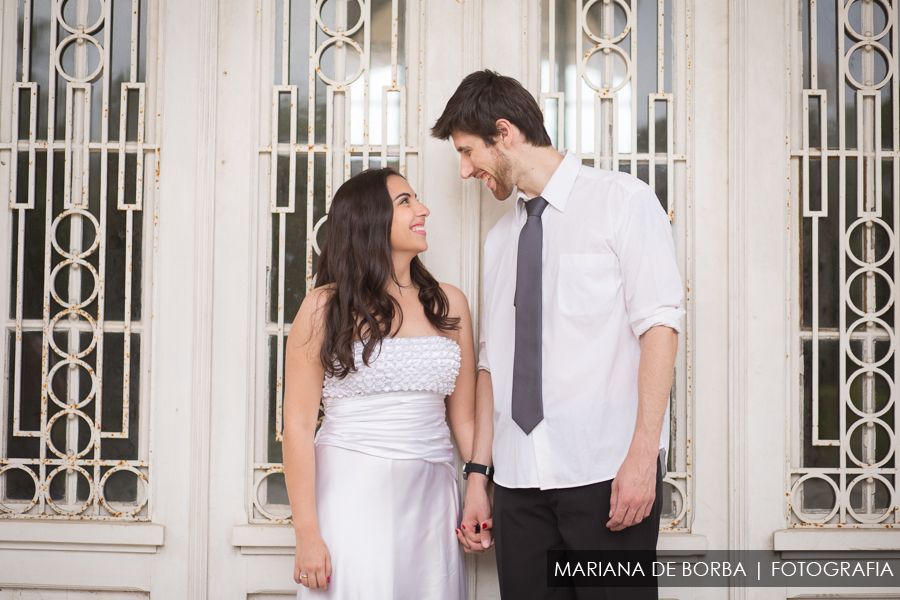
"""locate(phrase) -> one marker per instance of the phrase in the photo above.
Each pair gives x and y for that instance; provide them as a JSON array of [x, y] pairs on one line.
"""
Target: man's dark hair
[[481, 99]]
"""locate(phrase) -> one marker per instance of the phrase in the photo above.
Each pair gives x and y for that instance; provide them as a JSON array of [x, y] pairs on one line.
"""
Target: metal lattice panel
[[337, 102], [608, 93], [78, 150], [844, 460]]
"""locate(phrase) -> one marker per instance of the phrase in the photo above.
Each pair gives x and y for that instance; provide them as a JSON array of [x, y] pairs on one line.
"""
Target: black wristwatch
[[471, 467]]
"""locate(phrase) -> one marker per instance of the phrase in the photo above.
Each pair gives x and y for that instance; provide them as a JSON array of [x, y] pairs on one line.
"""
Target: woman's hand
[[477, 526], [312, 562]]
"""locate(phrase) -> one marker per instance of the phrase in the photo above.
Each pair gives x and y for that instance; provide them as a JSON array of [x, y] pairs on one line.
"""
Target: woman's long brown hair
[[356, 262]]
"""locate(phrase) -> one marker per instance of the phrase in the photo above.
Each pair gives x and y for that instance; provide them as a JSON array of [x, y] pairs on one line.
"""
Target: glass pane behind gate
[[78, 164], [608, 91], [363, 84], [343, 110], [843, 469]]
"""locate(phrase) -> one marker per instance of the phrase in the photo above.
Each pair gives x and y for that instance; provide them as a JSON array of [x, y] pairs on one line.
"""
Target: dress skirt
[[389, 525]]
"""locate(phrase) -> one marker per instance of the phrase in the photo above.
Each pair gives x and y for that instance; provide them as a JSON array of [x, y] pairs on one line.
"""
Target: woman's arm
[[479, 492], [461, 413], [461, 403], [304, 374]]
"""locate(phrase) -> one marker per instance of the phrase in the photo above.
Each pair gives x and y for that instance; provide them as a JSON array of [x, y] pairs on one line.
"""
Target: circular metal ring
[[37, 487], [272, 517], [77, 469], [617, 50], [890, 383], [856, 35], [795, 504], [853, 306], [888, 61], [75, 212], [683, 510], [57, 57], [886, 357], [60, 315], [849, 450], [350, 31], [318, 55], [862, 518], [629, 18], [61, 364], [65, 263], [77, 30], [315, 234], [140, 505], [49, 439], [883, 225]]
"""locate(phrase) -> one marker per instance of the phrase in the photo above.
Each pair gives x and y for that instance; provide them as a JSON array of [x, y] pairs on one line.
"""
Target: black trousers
[[528, 522]]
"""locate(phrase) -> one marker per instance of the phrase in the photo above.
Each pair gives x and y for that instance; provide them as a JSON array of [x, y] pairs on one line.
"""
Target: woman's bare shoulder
[[310, 311], [458, 302]]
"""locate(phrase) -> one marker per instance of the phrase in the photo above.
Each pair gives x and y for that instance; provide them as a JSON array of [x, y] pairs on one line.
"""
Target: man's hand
[[634, 488], [633, 491], [475, 530]]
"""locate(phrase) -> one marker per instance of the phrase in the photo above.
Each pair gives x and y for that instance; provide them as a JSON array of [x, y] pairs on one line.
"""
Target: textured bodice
[[394, 406], [418, 364]]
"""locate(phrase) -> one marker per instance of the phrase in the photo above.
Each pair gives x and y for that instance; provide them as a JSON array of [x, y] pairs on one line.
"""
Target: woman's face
[[408, 227]]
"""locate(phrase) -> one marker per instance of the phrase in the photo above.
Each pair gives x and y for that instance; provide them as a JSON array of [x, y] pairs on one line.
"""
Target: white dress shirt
[[609, 275]]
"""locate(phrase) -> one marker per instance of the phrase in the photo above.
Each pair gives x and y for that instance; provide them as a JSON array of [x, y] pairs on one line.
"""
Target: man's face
[[487, 163]]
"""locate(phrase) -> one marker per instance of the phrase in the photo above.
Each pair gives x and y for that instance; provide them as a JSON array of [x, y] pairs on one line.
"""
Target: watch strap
[[471, 467]]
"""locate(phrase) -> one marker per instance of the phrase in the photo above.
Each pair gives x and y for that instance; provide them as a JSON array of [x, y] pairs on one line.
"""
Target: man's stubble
[[503, 186]]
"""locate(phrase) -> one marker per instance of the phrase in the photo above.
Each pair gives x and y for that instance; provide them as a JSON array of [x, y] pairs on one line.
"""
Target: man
[[579, 332]]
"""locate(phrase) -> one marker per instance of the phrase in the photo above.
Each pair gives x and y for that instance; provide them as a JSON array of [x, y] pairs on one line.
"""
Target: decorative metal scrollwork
[[77, 445], [844, 450], [347, 59], [603, 102]]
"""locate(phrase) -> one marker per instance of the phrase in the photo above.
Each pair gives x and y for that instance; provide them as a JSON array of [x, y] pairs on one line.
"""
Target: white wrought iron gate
[[342, 86], [103, 279], [168, 167]]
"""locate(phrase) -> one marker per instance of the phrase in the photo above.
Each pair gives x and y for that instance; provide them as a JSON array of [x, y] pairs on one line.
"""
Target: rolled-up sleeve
[[654, 293]]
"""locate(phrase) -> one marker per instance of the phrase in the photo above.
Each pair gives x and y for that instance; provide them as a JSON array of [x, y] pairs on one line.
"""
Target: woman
[[374, 498]]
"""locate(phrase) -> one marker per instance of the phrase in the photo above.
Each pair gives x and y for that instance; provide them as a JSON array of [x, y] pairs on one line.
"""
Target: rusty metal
[[866, 335], [596, 117], [68, 313], [365, 119]]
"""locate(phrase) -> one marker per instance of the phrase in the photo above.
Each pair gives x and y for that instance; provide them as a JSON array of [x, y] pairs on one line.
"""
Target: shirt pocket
[[588, 283]]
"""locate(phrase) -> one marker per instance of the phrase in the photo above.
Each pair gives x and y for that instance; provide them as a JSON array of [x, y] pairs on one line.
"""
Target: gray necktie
[[527, 405]]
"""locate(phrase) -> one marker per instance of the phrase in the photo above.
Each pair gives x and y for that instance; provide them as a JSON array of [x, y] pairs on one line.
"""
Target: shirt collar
[[557, 190]]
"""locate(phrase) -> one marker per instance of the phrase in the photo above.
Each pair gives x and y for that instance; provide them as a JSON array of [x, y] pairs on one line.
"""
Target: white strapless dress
[[386, 493]]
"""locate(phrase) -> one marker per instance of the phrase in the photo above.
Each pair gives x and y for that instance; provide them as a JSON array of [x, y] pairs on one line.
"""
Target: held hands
[[633, 492], [475, 530], [312, 562]]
